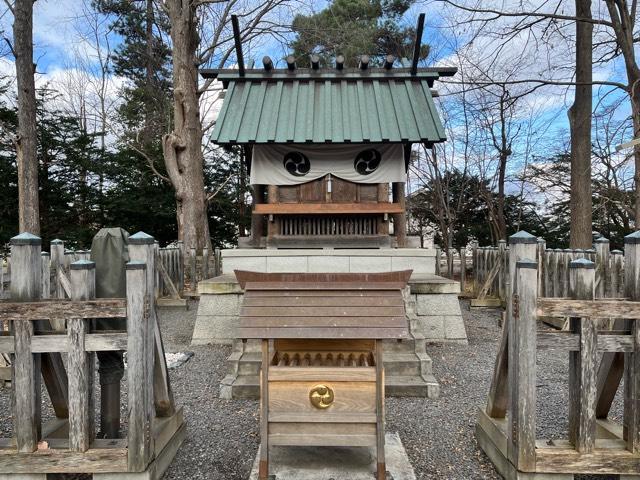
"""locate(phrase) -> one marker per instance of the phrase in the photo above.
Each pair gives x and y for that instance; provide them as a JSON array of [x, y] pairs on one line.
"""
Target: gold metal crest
[[321, 396]]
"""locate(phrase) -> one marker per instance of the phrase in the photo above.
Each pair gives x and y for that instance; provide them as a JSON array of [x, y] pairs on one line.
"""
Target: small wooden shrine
[[328, 149], [322, 376]]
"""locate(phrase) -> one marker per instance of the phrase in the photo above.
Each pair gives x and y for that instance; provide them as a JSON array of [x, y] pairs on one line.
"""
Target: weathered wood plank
[[140, 369], [62, 309], [498, 398], [25, 286], [583, 363], [632, 360], [319, 332], [265, 413], [318, 312], [561, 307], [81, 362], [94, 460], [337, 301], [345, 374], [523, 406], [380, 411], [142, 248], [94, 342]]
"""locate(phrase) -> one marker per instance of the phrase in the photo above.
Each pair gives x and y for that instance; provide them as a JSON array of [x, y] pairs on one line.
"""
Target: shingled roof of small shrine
[[328, 106]]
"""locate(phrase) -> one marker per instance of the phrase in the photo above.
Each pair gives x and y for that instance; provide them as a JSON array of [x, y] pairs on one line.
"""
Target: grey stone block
[[430, 327], [369, 264], [441, 304], [420, 264], [338, 463], [254, 264], [321, 264], [217, 329], [287, 264]]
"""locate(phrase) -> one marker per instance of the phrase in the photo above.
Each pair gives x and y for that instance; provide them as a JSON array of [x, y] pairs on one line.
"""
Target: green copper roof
[[308, 107]]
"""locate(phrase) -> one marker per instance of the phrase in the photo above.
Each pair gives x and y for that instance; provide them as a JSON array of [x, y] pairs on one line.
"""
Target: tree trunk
[[182, 147], [580, 124], [26, 140]]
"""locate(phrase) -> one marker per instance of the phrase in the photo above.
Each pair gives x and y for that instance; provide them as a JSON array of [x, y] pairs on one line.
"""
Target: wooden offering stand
[[322, 377]]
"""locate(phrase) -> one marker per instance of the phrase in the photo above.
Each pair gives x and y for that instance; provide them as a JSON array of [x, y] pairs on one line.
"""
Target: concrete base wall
[[432, 305], [422, 261]]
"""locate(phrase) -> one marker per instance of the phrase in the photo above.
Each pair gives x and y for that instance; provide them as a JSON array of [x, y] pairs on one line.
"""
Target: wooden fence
[[67, 444], [598, 360], [491, 273], [178, 273]]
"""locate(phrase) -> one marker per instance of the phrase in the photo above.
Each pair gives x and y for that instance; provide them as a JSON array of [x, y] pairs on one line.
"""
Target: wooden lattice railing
[[155, 426], [598, 360]]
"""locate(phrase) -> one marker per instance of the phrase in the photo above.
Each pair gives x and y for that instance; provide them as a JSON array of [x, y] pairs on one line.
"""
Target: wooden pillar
[[400, 219], [438, 255], [502, 274], [542, 245], [81, 362], [602, 268], [522, 245], [463, 269], [273, 227], [383, 197], [632, 359], [474, 265], [141, 249], [583, 363], [257, 221], [140, 368], [25, 366], [522, 361]]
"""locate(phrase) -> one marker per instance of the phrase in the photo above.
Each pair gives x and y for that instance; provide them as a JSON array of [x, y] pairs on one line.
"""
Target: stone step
[[248, 387], [399, 346], [412, 386], [404, 364]]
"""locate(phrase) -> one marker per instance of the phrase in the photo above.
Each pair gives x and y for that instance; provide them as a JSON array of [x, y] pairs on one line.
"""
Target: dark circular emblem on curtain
[[367, 161], [296, 164]]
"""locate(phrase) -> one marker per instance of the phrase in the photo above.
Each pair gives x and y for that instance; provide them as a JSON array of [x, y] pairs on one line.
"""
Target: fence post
[[45, 289], [463, 269], [602, 268], [142, 249], [541, 247], [57, 262], [81, 362], [616, 275], [181, 265], [522, 245], [193, 259], [474, 265], [632, 359], [205, 262], [450, 253], [522, 361], [25, 287], [438, 254], [140, 367], [218, 262], [583, 363], [502, 252]]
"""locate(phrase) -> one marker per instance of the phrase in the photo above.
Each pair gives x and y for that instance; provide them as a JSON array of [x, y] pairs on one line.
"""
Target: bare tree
[[26, 139], [182, 147], [580, 125], [617, 37]]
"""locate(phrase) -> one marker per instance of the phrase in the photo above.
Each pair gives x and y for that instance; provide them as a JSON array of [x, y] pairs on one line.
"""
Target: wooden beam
[[326, 208], [417, 45], [563, 307], [105, 308], [238, 44]]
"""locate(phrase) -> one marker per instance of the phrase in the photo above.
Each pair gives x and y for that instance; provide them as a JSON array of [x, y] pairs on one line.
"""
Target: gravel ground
[[222, 435]]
